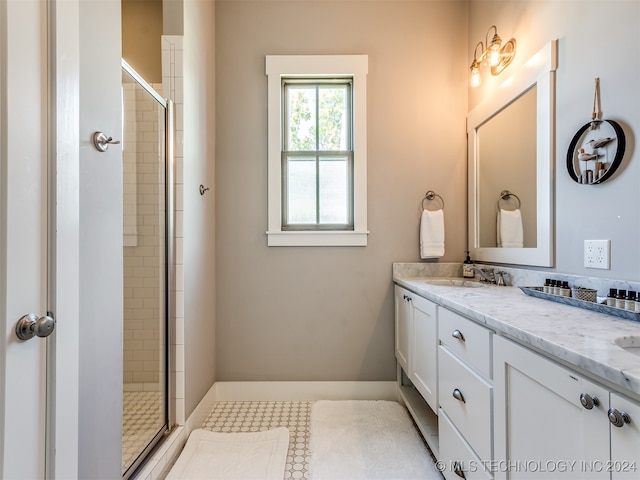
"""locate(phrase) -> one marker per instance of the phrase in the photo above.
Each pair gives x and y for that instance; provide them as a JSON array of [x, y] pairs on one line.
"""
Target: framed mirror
[[511, 158]]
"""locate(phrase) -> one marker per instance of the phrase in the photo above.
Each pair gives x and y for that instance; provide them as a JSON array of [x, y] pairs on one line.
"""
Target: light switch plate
[[597, 254]]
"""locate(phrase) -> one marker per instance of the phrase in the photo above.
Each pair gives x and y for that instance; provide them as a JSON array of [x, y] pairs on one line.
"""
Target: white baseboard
[[304, 391]]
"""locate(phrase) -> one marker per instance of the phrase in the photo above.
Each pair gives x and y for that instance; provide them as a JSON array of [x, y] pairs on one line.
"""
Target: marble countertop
[[572, 335]]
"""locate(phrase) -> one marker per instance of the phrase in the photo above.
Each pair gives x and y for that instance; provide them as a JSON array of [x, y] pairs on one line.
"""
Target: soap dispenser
[[466, 267]]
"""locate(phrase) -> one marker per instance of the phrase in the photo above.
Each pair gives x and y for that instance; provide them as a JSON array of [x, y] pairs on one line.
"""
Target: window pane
[[301, 190], [301, 118], [334, 190], [333, 118]]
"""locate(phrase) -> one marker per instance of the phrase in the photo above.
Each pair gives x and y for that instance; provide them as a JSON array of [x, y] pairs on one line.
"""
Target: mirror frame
[[539, 70]]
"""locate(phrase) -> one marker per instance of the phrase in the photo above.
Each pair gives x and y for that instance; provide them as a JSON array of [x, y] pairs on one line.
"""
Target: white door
[[49, 74], [23, 226]]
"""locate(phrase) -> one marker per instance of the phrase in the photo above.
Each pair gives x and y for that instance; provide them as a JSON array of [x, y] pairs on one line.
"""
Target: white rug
[[366, 440], [233, 456]]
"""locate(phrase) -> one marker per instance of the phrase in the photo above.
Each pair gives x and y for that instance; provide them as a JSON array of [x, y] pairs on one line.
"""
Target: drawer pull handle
[[588, 401], [457, 469], [457, 394], [618, 418], [458, 334]]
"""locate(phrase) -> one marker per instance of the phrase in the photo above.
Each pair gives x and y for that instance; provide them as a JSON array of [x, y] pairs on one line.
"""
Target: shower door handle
[[31, 325]]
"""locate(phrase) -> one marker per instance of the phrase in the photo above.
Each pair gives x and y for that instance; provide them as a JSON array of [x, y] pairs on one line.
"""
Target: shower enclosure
[[148, 260]]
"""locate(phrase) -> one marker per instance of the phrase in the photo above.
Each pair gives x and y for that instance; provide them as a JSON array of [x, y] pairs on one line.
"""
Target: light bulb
[[475, 75], [494, 55], [493, 49]]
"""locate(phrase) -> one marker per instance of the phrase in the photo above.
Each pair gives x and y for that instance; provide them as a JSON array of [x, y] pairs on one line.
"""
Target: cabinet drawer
[[470, 412], [455, 453], [468, 340]]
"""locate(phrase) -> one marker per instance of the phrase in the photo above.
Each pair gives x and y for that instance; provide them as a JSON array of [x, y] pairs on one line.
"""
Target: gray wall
[[199, 215], [583, 212], [309, 313], [141, 32]]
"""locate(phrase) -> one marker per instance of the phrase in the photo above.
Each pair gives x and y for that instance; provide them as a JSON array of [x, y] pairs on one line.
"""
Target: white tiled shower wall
[[143, 249], [172, 88]]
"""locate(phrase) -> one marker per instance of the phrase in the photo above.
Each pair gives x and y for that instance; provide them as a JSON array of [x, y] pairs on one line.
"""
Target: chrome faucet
[[486, 275]]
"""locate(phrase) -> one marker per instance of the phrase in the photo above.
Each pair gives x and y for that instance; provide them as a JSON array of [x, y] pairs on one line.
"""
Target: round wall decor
[[596, 152]]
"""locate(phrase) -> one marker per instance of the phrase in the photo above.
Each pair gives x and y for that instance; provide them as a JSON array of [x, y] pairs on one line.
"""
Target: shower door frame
[[169, 261]]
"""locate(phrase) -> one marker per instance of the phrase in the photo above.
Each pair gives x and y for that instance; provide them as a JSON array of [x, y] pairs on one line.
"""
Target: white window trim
[[278, 66]]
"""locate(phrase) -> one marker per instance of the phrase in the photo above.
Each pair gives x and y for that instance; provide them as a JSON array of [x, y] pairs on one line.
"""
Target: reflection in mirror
[[507, 161], [511, 139]]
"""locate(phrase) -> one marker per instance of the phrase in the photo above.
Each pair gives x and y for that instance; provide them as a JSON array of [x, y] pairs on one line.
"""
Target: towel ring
[[431, 195], [505, 196]]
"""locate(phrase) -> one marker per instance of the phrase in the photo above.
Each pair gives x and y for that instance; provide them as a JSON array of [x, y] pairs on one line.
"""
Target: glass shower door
[[146, 246]]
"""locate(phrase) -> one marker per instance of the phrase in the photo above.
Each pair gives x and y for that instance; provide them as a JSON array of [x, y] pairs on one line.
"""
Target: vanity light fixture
[[496, 55]]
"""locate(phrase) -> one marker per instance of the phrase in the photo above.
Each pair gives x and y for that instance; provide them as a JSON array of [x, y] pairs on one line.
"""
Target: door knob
[[31, 325]]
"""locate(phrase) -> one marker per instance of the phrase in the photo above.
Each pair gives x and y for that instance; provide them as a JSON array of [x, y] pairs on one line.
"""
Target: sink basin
[[630, 343], [458, 282]]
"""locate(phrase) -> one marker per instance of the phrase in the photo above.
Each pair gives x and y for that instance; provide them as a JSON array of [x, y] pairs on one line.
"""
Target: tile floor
[[260, 416], [141, 420]]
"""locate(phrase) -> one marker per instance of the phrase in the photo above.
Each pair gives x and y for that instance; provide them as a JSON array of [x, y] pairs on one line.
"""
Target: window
[[317, 156], [317, 150]]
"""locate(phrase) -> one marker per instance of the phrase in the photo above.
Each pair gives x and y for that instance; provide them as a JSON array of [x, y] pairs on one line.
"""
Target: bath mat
[[366, 440], [233, 456]]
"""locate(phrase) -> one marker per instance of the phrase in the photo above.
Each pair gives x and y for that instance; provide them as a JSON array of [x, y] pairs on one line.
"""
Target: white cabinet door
[[625, 440], [423, 367], [403, 324], [541, 429]]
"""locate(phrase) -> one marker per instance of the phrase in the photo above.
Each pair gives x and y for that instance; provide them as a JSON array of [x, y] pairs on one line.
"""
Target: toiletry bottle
[[547, 286], [555, 287], [630, 301], [466, 267], [566, 291], [621, 298], [611, 298]]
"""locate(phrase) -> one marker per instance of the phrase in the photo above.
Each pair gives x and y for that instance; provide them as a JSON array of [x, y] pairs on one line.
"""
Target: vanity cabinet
[[465, 425], [416, 342], [492, 408], [550, 422]]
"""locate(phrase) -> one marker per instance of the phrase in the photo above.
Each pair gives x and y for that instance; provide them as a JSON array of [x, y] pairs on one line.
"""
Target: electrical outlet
[[597, 254]]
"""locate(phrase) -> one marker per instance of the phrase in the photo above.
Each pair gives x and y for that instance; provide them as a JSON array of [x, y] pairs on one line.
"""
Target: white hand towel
[[432, 234], [510, 232]]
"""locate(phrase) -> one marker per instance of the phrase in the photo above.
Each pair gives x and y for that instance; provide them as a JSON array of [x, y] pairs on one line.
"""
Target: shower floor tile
[[261, 416], [141, 420]]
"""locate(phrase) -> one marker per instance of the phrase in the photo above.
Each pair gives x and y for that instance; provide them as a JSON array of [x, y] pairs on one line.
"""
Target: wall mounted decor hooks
[[596, 115], [203, 189]]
